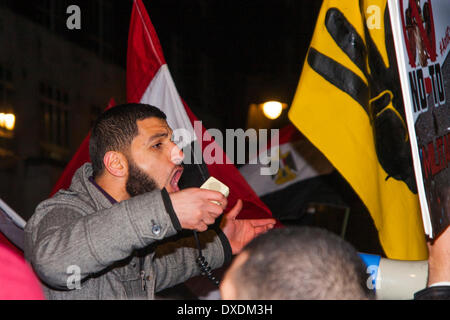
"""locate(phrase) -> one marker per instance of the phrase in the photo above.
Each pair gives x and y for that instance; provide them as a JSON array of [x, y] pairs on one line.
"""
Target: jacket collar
[[106, 194], [82, 184]]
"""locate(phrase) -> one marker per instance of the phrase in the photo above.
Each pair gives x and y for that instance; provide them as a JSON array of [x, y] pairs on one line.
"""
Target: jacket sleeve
[[433, 293], [65, 236], [175, 261]]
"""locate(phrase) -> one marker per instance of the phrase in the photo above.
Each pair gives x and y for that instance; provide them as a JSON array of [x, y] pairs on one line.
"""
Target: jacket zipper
[[142, 273]]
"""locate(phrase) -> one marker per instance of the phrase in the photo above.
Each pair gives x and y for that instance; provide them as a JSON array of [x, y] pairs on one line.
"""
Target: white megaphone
[[395, 279]]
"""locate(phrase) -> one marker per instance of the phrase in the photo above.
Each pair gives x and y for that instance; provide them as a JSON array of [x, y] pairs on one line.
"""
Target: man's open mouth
[[175, 178]]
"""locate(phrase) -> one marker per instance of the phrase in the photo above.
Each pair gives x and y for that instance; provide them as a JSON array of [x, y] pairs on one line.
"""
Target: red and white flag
[[149, 81]]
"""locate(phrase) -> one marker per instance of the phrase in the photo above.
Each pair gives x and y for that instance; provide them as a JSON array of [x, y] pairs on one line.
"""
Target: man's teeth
[[175, 179]]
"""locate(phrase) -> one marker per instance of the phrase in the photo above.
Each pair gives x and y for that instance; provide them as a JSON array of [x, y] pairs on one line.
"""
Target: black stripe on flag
[[341, 77]]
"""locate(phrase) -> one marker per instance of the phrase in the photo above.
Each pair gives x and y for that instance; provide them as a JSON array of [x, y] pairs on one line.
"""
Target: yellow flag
[[349, 105]]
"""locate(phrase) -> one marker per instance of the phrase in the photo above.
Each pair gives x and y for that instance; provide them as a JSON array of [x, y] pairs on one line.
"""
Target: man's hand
[[439, 259], [241, 232], [194, 208]]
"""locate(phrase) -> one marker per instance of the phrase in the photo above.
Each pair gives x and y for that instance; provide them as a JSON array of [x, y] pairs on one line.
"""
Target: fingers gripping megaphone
[[394, 279]]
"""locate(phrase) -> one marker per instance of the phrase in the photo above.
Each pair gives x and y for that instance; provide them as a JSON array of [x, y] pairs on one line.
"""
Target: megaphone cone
[[395, 279]]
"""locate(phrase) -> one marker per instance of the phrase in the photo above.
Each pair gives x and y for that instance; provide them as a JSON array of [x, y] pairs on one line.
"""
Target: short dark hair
[[296, 263], [115, 129]]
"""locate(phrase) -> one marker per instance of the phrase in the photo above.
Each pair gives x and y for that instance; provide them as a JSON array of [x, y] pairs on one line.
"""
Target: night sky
[[261, 41]]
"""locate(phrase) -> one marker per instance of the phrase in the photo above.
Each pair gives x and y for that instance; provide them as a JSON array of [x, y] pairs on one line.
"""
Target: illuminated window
[[7, 116]]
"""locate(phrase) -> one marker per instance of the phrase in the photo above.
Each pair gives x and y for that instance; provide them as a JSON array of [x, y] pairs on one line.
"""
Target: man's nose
[[176, 154]]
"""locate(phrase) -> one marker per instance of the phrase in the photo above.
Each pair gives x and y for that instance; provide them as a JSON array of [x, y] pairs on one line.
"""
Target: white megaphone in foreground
[[395, 279]]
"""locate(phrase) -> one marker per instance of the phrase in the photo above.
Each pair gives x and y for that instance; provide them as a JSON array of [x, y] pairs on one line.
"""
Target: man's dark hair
[[115, 129], [298, 263]]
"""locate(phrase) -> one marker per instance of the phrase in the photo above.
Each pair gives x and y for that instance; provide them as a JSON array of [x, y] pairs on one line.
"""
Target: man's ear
[[115, 163]]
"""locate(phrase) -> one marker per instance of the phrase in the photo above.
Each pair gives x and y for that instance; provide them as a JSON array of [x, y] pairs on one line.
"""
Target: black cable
[[203, 264]]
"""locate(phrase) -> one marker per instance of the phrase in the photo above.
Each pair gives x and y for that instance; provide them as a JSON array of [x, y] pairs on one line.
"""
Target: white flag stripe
[[12, 214], [163, 94]]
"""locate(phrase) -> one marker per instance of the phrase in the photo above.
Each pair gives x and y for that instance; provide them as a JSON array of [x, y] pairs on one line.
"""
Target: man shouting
[[111, 234]]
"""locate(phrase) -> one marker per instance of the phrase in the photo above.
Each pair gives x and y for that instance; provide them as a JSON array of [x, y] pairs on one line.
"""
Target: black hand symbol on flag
[[381, 98]]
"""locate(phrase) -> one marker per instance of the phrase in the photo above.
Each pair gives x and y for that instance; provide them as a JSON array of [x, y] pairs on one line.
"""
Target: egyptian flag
[[349, 104], [149, 81], [303, 176], [80, 158], [298, 160]]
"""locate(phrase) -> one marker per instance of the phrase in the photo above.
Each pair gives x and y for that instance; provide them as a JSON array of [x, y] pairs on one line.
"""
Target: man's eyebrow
[[156, 136]]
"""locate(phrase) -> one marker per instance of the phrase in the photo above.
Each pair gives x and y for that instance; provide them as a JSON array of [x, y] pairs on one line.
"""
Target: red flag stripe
[[144, 57], [230, 176]]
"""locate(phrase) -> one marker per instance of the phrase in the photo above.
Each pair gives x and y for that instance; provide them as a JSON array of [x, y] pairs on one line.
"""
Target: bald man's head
[[296, 263]]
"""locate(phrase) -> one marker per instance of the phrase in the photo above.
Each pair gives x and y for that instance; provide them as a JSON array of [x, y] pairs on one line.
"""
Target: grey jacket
[[117, 251]]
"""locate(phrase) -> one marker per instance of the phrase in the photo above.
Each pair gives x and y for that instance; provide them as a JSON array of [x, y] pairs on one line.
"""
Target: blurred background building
[[55, 87]]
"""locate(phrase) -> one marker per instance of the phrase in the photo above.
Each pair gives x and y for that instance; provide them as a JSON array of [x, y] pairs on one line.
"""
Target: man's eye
[[157, 146]]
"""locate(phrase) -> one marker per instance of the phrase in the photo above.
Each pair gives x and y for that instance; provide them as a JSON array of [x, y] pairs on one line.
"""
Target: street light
[[272, 109], [7, 121], [10, 121]]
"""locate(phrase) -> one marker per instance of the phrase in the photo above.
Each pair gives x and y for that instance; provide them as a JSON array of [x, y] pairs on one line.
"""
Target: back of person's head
[[115, 129], [296, 263]]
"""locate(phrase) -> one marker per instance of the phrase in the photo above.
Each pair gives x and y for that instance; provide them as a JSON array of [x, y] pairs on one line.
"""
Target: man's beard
[[138, 181]]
